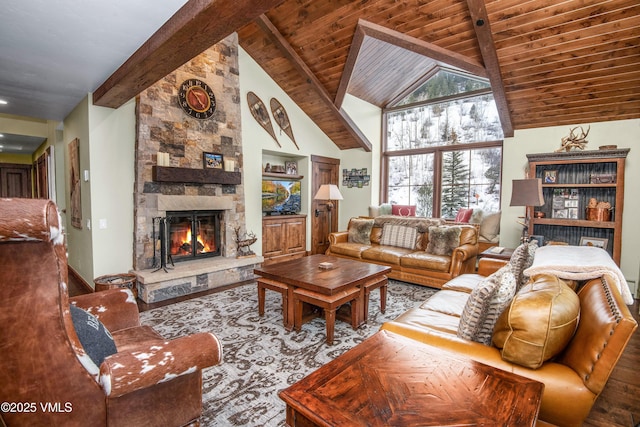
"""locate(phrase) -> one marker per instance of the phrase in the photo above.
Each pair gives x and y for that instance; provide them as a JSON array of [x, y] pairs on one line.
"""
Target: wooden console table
[[391, 380]]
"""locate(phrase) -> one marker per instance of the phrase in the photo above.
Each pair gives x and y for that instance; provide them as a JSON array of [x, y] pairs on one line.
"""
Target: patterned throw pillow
[[443, 239], [403, 210], [360, 231], [522, 259], [485, 304], [399, 235]]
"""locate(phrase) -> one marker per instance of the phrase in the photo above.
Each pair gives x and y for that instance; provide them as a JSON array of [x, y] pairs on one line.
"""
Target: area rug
[[260, 356]]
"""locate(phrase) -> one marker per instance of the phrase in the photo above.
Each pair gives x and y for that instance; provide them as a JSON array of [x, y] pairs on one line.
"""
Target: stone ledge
[[190, 277], [194, 268]]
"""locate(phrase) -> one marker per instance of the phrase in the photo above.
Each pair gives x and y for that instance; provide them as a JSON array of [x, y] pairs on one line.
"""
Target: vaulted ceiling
[[550, 62]]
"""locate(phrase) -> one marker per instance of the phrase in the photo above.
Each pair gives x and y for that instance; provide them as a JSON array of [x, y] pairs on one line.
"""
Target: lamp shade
[[527, 192], [328, 192]]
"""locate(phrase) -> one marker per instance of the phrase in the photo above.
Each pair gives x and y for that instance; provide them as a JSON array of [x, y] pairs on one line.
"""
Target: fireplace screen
[[193, 234]]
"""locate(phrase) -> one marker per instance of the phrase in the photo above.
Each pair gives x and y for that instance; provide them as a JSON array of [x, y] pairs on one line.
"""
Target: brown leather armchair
[[47, 377]]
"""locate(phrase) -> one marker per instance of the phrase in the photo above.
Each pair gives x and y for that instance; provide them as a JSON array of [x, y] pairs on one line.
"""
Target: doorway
[[15, 180], [325, 170]]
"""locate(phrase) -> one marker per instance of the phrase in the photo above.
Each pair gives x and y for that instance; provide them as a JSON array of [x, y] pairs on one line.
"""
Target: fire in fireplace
[[193, 234]]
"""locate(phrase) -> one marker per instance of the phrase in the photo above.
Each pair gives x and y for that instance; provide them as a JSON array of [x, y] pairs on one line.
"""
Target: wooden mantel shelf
[[195, 176]]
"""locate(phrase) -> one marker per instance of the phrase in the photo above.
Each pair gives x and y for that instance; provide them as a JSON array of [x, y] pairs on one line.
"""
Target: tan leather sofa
[[48, 376], [413, 265], [573, 379]]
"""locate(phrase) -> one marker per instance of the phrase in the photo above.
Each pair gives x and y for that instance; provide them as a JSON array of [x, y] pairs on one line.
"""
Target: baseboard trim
[[87, 287]]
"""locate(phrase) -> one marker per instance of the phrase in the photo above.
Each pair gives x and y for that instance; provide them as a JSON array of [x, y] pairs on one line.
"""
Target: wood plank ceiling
[[550, 62], [560, 62]]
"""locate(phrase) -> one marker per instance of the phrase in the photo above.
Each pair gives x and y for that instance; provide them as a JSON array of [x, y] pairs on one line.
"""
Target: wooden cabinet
[[283, 238], [570, 180]]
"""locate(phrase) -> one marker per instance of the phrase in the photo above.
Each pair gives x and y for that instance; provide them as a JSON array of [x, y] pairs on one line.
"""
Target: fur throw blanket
[[421, 224], [579, 263]]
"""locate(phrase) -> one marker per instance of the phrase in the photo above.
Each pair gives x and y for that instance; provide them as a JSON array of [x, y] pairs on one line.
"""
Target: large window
[[443, 147]]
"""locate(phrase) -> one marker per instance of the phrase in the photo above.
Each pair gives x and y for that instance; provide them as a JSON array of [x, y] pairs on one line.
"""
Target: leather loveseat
[[424, 260], [574, 377]]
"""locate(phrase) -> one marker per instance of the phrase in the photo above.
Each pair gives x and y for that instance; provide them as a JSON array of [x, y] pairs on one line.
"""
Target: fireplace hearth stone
[[189, 277]]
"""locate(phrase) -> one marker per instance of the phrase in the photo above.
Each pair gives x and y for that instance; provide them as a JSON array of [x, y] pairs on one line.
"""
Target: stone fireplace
[[162, 127]]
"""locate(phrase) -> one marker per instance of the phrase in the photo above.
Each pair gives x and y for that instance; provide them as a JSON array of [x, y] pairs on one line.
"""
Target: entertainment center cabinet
[[283, 238], [569, 181]]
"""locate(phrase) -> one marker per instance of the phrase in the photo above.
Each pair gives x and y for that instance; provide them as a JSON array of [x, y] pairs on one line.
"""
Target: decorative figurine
[[244, 242], [574, 141]]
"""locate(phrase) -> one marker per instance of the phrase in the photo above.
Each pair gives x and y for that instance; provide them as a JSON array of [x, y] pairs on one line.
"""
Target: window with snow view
[[443, 147]]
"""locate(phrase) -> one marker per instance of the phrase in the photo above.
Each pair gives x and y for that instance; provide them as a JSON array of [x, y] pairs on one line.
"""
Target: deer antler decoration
[[574, 141]]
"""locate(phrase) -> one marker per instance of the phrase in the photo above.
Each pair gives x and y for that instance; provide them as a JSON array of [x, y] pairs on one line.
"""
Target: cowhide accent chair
[[45, 373]]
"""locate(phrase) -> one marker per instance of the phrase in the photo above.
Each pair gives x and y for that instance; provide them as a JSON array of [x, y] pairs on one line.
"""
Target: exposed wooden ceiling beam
[[276, 37], [197, 26], [481, 25]]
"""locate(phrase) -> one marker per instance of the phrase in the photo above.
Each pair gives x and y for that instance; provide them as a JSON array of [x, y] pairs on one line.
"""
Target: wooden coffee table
[[391, 380], [304, 273]]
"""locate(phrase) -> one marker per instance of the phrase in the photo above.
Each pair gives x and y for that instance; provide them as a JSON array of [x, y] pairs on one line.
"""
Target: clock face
[[196, 99]]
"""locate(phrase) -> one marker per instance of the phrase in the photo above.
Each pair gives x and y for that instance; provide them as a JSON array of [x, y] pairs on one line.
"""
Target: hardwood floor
[[619, 402], [617, 406]]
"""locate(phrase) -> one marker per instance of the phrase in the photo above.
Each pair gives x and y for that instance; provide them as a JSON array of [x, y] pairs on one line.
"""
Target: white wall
[[623, 133], [107, 144], [79, 241], [357, 200], [112, 156]]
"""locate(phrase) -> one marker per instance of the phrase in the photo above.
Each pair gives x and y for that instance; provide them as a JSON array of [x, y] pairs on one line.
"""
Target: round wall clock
[[196, 99]]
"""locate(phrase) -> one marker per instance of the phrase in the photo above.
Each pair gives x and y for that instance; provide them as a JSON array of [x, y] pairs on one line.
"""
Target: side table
[[505, 255]]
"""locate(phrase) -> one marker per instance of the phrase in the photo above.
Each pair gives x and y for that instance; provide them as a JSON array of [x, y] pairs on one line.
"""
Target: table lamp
[[328, 192], [526, 192]]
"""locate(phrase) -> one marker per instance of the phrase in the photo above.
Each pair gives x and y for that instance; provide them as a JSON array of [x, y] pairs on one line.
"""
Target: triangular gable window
[[445, 84]]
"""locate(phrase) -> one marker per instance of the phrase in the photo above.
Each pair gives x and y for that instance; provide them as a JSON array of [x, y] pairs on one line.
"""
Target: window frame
[[437, 150]]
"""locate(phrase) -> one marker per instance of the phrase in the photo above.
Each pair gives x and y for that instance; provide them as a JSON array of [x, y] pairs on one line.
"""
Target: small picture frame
[[212, 160], [594, 241], [291, 168], [550, 177]]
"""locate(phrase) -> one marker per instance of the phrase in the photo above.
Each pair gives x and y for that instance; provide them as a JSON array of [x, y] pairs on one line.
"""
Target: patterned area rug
[[260, 356]]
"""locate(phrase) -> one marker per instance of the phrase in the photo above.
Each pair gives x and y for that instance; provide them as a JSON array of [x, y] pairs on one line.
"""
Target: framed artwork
[[565, 203], [594, 241], [212, 160], [74, 166], [550, 177], [291, 168]]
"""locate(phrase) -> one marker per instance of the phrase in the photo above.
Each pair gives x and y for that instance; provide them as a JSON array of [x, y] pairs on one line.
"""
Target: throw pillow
[[403, 210], [360, 231], [485, 304], [385, 209], [464, 215], [443, 239], [399, 235], [539, 322], [521, 259], [476, 216], [94, 337], [490, 226]]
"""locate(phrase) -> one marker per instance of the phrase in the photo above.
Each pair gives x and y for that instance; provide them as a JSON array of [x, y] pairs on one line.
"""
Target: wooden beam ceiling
[[488, 49], [340, 115], [197, 26], [549, 62]]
